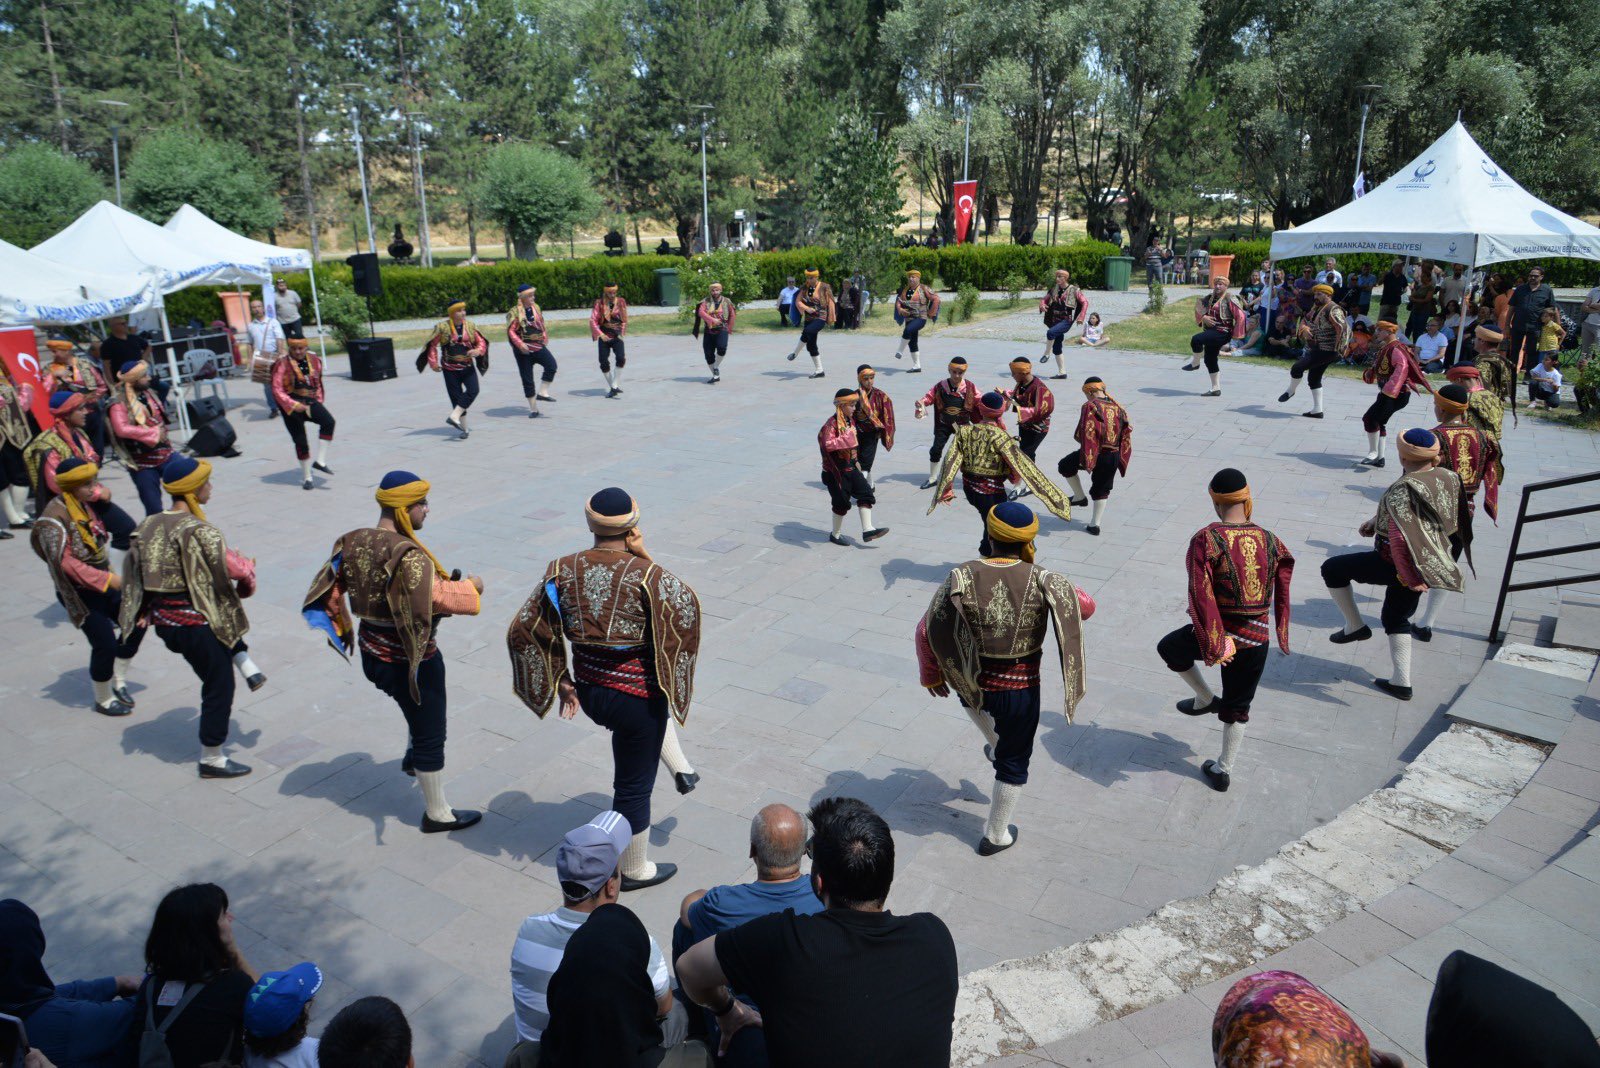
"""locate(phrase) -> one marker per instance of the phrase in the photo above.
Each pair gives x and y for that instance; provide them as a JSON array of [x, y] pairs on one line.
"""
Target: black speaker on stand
[[371, 358]]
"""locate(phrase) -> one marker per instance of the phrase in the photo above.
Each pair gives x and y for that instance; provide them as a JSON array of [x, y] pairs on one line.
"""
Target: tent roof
[[1451, 203], [119, 241], [201, 232], [34, 289]]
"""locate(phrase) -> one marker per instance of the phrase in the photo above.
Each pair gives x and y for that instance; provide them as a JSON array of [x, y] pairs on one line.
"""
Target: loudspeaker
[[214, 438], [364, 276], [203, 410], [371, 358]]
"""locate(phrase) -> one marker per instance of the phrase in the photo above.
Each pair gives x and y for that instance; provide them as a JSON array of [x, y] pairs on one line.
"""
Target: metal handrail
[[1513, 557]]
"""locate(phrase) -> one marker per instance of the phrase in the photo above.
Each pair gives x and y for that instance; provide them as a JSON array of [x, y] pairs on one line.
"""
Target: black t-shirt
[[115, 351], [1394, 287], [1528, 303], [210, 1029], [847, 989]]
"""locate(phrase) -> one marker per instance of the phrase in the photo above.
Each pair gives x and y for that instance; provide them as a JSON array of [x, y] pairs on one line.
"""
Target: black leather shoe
[[1189, 707], [1091, 529], [838, 539], [546, 400], [450, 421], [1219, 780], [928, 484], [1402, 693], [1189, 367], [533, 415], [663, 873], [686, 780], [618, 389], [121, 694], [1212, 393], [324, 468], [464, 818], [819, 374], [1078, 502], [6, 535], [987, 848], [792, 355], [26, 524], [256, 681], [1283, 398], [1422, 634], [1311, 415], [874, 534], [113, 708], [988, 752], [230, 770], [914, 371], [307, 485], [1339, 637], [1372, 461], [614, 393]]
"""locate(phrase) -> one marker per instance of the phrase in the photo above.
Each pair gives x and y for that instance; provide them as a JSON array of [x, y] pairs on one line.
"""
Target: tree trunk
[[177, 51], [55, 80], [638, 244], [472, 219], [686, 226], [1024, 217], [527, 248]]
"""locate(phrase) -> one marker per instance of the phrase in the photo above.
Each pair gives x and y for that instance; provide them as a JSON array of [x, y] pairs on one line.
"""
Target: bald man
[[777, 842]]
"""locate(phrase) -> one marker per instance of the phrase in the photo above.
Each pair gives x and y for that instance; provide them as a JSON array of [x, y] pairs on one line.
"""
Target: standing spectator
[[849, 305], [1454, 288], [286, 307], [1303, 286], [1544, 383], [1423, 303], [370, 1033], [1450, 323], [1330, 274], [84, 1023], [1433, 348], [1590, 330], [1552, 335], [1366, 282], [1114, 232], [1250, 292], [268, 338], [1154, 256], [1527, 305], [197, 979], [277, 1013], [777, 842], [1392, 292], [851, 987], [786, 301]]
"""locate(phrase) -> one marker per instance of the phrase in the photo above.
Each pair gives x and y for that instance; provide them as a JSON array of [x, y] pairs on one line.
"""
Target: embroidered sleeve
[[1203, 610]]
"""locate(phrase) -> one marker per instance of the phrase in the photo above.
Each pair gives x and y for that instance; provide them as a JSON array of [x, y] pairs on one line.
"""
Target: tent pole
[[1461, 327], [172, 369], [316, 307]]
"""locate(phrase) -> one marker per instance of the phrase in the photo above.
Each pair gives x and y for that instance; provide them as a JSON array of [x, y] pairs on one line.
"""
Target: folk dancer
[[1411, 535], [399, 591], [298, 391], [987, 457], [1238, 571], [842, 476], [1326, 332], [72, 541], [1033, 402], [608, 323], [139, 432], [1485, 409], [182, 579], [814, 303], [530, 345], [634, 628], [1395, 371], [874, 419], [1063, 305], [1489, 379], [80, 374], [915, 306], [1475, 458], [953, 401], [983, 636], [459, 351], [1221, 319], [16, 431], [713, 320], [68, 440], [1105, 446]]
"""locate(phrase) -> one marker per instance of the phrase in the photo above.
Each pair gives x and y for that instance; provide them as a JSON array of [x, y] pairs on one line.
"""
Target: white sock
[[838, 524], [716, 362], [212, 755], [1400, 652], [1382, 441], [1316, 399], [1432, 604], [1000, 809], [533, 404], [672, 751], [933, 471], [13, 514], [984, 724], [19, 497], [1216, 379], [1294, 386], [1061, 364], [102, 691], [636, 862], [798, 345], [305, 470], [119, 671], [866, 474], [246, 666], [1372, 444], [1232, 735], [1345, 598], [1077, 487], [866, 519], [438, 809], [916, 361], [1044, 357], [1098, 512], [544, 390], [457, 412], [1197, 683], [616, 376], [901, 351], [816, 362], [322, 451], [611, 379]]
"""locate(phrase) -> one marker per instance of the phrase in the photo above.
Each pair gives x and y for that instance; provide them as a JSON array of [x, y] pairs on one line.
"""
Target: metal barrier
[[1513, 557]]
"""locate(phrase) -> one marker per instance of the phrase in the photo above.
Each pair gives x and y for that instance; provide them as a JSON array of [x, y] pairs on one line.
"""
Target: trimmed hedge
[[1248, 254], [424, 293]]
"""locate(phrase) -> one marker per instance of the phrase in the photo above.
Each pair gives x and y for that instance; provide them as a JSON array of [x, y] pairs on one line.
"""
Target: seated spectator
[[1483, 1014], [1450, 323], [277, 1013], [83, 1023], [1359, 350], [814, 975], [586, 867], [1433, 348], [1544, 383], [1283, 340], [370, 1033], [777, 842], [197, 982], [1094, 335], [1282, 1019]]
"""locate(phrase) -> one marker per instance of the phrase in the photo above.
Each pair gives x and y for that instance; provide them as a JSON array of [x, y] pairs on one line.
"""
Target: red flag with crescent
[[966, 202], [21, 355]]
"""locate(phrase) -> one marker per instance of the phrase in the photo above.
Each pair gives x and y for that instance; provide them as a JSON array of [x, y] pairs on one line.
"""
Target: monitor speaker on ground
[[371, 358], [364, 276], [204, 409], [214, 438]]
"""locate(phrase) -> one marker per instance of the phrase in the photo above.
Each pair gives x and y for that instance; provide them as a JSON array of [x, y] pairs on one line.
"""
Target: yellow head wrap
[[999, 530], [1322, 287], [399, 499], [1236, 497], [914, 273], [459, 305], [1022, 363], [813, 273], [69, 480], [56, 344], [136, 408], [187, 486]]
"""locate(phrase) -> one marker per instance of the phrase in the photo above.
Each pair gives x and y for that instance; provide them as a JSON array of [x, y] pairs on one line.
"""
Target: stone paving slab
[[807, 680]]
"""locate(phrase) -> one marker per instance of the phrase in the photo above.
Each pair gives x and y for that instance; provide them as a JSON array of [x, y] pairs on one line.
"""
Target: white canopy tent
[[38, 290], [200, 232]]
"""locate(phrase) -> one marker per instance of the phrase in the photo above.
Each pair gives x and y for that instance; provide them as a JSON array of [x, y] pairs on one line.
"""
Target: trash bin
[[1222, 267], [668, 290], [1118, 271]]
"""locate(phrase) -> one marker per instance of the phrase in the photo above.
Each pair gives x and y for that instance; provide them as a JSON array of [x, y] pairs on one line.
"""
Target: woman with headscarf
[[82, 1024], [603, 1008], [1483, 1014], [1281, 1019]]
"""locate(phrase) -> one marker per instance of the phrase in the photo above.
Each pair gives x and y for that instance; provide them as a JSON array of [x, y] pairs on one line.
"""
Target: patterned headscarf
[[72, 474], [1282, 1019]]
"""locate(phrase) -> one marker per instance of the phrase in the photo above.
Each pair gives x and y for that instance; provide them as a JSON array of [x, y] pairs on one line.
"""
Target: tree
[[183, 166], [533, 191], [41, 191], [858, 192]]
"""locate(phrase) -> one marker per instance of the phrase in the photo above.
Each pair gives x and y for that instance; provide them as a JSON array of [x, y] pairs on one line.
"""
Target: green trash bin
[[669, 292], [1118, 270]]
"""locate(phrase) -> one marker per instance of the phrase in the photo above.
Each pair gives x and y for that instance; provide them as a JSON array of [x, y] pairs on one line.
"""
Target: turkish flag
[[21, 356], [966, 202]]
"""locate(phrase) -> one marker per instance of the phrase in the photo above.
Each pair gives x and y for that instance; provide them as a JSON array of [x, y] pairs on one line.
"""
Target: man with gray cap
[[587, 868]]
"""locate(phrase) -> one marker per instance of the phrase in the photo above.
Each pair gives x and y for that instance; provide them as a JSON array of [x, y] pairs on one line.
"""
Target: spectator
[[1282, 1019], [1330, 274], [1552, 335], [1094, 335], [813, 976], [1250, 292], [1303, 286], [1450, 325], [1590, 330], [1423, 303], [1392, 291], [1154, 257], [586, 868], [277, 1013], [370, 1033], [1454, 288], [1114, 232], [1527, 305], [197, 980], [121, 346], [286, 309], [1283, 340], [777, 842], [1366, 282], [786, 301], [83, 1023], [848, 306], [665, 248], [267, 339], [1544, 383], [1483, 1014], [1359, 350], [1433, 348]]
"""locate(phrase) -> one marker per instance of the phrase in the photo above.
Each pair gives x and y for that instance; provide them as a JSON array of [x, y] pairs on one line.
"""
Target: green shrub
[[741, 282], [343, 313], [1158, 297], [1014, 284], [966, 303], [986, 266], [41, 191]]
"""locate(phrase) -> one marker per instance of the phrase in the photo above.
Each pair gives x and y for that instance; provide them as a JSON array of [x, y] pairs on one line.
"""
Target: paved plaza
[[807, 684]]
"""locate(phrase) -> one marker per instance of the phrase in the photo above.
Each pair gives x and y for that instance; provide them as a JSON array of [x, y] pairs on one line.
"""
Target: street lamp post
[[705, 185], [966, 137], [422, 193], [572, 244], [361, 165], [1361, 141], [116, 148]]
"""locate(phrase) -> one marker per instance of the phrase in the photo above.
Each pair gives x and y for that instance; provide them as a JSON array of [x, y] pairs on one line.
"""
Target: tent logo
[[1422, 172], [1452, 248], [1489, 168]]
